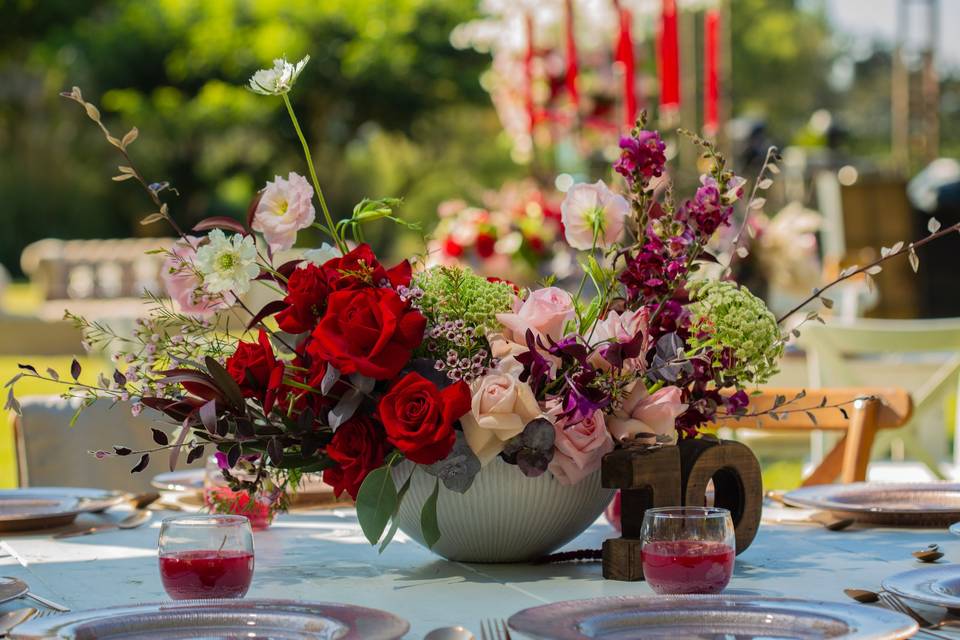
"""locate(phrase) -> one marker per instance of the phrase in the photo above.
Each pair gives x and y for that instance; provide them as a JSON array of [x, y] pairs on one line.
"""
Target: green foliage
[[727, 319], [377, 501], [459, 293], [429, 525], [389, 106]]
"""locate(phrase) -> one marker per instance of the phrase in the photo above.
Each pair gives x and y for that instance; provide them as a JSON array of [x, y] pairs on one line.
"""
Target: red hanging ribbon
[[528, 74], [711, 77], [669, 58], [571, 79], [624, 56]]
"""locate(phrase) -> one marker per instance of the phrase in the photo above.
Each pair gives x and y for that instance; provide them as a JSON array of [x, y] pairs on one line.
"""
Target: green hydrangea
[[459, 293], [728, 318]]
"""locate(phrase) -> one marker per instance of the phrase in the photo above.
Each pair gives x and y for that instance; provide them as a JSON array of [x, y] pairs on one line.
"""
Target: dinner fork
[[494, 630], [892, 602]]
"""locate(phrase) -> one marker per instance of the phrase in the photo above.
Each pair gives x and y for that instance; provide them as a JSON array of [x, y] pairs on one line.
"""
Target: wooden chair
[[869, 352], [868, 411]]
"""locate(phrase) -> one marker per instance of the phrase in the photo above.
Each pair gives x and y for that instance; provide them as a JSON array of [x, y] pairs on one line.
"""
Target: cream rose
[[501, 407], [580, 447], [642, 412]]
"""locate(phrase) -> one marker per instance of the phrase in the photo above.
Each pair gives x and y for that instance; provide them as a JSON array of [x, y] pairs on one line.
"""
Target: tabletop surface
[[323, 556]]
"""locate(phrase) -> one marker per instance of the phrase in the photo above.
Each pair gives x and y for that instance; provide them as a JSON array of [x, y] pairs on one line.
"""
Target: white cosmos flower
[[227, 264], [279, 80], [319, 256]]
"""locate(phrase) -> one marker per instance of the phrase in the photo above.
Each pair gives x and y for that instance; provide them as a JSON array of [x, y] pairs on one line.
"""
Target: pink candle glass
[[688, 549], [206, 556]]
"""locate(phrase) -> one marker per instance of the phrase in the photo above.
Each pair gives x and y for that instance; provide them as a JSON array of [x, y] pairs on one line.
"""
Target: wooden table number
[[678, 476]]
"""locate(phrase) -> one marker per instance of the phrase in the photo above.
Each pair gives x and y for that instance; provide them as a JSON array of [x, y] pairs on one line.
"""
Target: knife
[[12, 618]]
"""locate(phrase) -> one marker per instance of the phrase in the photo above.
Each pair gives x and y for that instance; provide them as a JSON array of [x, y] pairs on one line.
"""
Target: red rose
[[451, 248], [419, 417], [370, 331], [358, 447], [307, 291], [256, 370], [360, 268], [486, 245]]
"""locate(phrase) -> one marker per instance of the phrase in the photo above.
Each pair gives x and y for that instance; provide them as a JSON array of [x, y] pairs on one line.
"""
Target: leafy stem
[[330, 227], [849, 273]]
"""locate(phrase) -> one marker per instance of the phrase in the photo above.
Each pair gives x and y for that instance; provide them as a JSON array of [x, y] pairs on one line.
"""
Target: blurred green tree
[[390, 107]]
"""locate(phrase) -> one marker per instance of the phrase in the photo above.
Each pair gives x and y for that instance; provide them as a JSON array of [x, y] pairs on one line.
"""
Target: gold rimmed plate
[[914, 504], [35, 508], [937, 585], [709, 618], [220, 619]]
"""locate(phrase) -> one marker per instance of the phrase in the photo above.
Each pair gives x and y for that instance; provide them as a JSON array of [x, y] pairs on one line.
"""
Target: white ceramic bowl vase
[[504, 516]]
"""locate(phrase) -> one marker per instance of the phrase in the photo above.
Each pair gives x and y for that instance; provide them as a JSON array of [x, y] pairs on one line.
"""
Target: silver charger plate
[[11, 589], [220, 620], [938, 585], [42, 507], [183, 480], [917, 504], [709, 617]]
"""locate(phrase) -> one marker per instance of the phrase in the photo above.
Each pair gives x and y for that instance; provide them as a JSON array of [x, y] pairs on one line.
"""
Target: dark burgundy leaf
[[846, 416], [304, 420], [275, 451], [140, 466], [28, 367], [287, 268], [75, 369], [176, 409], [122, 451], [233, 456], [276, 306], [220, 222], [175, 451], [253, 208], [119, 378], [195, 453], [227, 385], [245, 428], [160, 437], [208, 416]]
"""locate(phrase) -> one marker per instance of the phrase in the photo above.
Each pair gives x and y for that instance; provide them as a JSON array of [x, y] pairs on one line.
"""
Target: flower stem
[[330, 229]]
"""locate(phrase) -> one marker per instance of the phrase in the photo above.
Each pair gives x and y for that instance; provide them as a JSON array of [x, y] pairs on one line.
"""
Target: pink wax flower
[[285, 207], [579, 448]]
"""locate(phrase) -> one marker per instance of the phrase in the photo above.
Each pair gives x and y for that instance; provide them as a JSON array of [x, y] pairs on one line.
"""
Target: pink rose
[[648, 414], [579, 448], [620, 327], [544, 311], [184, 285], [285, 207], [593, 216]]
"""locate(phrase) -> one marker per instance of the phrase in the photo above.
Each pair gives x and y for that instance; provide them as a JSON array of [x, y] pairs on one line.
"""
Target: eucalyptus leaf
[[429, 525], [376, 501]]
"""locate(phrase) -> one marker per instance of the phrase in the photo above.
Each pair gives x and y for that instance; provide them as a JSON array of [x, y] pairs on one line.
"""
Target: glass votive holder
[[206, 556]]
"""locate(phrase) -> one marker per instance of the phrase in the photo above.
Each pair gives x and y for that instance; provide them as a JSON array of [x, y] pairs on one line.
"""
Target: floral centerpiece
[[391, 379]]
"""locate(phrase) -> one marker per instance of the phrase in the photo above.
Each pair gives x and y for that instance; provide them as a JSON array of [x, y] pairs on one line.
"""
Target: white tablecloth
[[323, 556]]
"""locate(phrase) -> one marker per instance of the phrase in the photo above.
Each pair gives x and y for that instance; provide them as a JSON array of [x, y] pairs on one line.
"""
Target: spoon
[[449, 633], [831, 522], [21, 586], [12, 618], [134, 520]]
